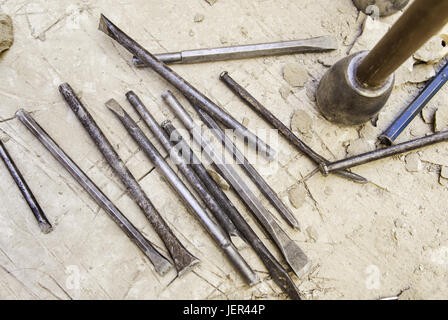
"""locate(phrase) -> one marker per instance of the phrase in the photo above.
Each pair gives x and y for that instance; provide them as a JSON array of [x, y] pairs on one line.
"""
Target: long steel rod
[[183, 259], [384, 153], [277, 272], [269, 117], [186, 88], [295, 257], [422, 20], [317, 44], [217, 233], [42, 221], [252, 173], [161, 264], [188, 173], [405, 118]]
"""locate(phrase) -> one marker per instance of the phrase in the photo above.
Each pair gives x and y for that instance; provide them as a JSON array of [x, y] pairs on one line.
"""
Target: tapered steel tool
[[183, 259], [277, 272], [295, 257], [189, 174], [255, 105], [406, 117], [161, 264], [384, 153], [42, 221], [318, 44], [186, 88], [355, 89], [218, 234], [252, 173]]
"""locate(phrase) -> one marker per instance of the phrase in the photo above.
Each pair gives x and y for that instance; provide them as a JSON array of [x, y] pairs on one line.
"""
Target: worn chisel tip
[[104, 24], [187, 268], [329, 43], [115, 107], [45, 227]]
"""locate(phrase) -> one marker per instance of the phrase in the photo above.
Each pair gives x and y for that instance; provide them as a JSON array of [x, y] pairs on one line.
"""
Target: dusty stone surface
[[413, 162], [295, 74], [360, 252], [441, 120], [6, 32], [301, 122], [198, 17], [434, 50], [297, 196]]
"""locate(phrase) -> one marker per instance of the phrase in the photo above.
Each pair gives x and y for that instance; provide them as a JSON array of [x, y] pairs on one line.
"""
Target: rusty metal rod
[[384, 153], [183, 259], [186, 88], [269, 117], [294, 255], [42, 221], [317, 44], [252, 173], [276, 270], [422, 20], [217, 233], [188, 173], [161, 264]]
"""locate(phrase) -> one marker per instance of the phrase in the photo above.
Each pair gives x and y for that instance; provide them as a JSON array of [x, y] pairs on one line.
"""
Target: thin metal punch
[[384, 153], [255, 105]]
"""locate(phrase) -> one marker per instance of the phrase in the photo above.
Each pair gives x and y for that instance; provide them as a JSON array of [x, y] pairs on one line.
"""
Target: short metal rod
[[406, 117], [277, 272], [186, 88], [252, 173], [184, 261], [187, 172], [269, 117], [422, 20], [161, 264], [295, 256], [42, 221], [384, 153], [217, 233], [317, 44]]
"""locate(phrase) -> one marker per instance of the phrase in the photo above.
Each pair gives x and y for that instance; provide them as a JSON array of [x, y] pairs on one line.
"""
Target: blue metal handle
[[398, 126]]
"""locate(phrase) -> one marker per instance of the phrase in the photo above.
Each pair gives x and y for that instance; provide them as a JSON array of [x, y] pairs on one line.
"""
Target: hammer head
[[343, 100]]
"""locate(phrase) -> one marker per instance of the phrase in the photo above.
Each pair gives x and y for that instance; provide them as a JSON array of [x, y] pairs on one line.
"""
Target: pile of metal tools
[[201, 194]]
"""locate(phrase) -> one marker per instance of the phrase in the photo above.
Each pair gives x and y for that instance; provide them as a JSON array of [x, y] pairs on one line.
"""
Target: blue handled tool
[[398, 126]]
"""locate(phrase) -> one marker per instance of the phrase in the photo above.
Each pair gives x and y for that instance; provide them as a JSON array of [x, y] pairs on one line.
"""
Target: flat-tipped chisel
[[317, 44], [161, 264], [295, 257], [186, 88], [218, 234], [183, 259], [277, 272], [188, 173], [252, 173]]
